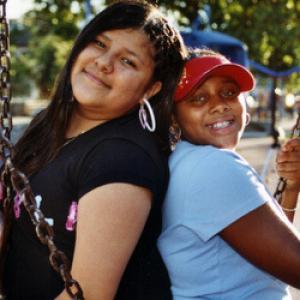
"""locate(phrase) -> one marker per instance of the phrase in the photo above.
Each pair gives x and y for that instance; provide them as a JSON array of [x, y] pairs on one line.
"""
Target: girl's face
[[214, 115], [113, 73]]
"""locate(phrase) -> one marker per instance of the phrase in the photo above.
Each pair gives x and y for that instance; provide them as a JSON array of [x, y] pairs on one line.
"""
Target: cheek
[[132, 84], [75, 69], [84, 57], [187, 119], [180, 116]]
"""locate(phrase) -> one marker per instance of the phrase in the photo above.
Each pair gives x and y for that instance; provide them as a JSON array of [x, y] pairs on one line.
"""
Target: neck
[[81, 122]]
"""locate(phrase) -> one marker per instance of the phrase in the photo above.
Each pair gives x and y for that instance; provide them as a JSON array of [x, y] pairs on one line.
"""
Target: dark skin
[[269, 240], [288, 167]]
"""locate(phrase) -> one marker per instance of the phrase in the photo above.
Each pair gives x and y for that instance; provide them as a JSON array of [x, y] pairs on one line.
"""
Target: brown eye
[[199, 99], [100, 44], [128, 62], [230, 92]]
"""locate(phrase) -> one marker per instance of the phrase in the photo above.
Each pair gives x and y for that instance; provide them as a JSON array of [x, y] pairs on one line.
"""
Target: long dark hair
[[46, 133]]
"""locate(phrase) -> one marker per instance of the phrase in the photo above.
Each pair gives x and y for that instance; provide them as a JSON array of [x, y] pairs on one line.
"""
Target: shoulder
[[127, 132], [213, 189], [204, 156], [216, 176], [117, 139], [120, 150], [122, 153], [226, 167]]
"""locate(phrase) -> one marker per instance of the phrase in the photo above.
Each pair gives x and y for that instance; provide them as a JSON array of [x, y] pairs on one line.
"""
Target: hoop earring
[[144, 117]]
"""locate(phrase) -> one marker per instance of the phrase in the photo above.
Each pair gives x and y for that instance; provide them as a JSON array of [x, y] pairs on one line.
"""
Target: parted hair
[[46, 133]]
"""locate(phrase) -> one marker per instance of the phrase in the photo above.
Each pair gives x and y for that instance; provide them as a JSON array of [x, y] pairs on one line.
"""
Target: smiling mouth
[[221, 124], [96, 79]]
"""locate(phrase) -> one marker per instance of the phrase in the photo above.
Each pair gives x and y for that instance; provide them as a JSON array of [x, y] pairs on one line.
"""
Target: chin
[[230, 145]]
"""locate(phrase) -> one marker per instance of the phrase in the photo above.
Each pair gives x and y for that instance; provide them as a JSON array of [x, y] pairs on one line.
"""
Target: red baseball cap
[[198, 69]]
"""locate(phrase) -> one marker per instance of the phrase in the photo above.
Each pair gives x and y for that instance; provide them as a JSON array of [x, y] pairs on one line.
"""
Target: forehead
[[134, 41]]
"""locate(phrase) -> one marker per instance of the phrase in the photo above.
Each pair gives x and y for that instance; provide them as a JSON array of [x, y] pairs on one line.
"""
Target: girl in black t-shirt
[[96, 171]]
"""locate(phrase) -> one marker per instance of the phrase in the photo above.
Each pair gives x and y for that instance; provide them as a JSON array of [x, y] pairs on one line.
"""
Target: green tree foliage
[[50, 28], [54, 17], [20, 71], [20, 61], [270, 28], [48, 57]]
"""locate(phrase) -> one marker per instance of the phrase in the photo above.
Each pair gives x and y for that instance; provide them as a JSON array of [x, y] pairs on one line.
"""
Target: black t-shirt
[[116, 151]]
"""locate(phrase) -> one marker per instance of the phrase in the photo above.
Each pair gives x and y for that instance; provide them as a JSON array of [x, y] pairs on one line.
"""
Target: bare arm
[[288, 167], [268, 240], [110, 221]]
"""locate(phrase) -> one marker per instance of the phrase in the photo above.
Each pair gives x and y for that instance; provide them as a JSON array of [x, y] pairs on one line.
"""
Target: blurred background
[[262, 35]]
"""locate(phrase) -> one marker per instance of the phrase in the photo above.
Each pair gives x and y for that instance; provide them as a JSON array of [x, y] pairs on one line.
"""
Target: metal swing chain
[[13, 179], [281, 185], [5, 91]]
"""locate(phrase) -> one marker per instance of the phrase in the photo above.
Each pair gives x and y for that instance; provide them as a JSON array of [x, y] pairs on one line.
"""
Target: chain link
[[14, 180], [5, 91], [281, 185]]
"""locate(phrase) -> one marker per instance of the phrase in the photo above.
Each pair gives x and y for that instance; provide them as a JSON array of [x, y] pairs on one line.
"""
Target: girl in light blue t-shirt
[[224, 236]]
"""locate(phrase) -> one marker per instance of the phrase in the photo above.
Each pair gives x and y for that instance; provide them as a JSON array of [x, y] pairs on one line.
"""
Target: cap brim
[[237, 73]]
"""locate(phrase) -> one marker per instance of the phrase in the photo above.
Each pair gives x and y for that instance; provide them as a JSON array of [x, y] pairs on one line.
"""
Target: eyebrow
[[126, 49]]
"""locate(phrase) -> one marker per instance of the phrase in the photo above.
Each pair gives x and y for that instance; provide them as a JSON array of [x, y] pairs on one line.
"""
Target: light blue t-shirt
[[209, 189]]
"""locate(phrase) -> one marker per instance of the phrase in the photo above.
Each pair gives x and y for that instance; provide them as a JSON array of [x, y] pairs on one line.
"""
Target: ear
[[153, 90]]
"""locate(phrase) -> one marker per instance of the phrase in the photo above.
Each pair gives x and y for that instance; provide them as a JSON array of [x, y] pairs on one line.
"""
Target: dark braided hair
[[46, 133]]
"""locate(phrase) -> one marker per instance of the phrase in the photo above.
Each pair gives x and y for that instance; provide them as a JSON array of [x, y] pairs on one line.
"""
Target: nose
[[218, 104], [104, 63]]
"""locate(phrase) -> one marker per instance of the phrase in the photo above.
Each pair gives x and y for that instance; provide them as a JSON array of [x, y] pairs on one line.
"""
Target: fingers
[[288, 162], [291, 156], [289, 167], [292, 144], [290, 151], [291, 173]]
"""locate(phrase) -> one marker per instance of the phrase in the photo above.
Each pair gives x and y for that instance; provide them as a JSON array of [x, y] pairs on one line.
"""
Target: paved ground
[[255, 146]]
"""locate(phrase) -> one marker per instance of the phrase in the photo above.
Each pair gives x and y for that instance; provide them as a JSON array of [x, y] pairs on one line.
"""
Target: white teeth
[[221, 124]]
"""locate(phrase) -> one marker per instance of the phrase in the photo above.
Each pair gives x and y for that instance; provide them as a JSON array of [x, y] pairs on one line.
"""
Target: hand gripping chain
[[14, 180], [281, 185]]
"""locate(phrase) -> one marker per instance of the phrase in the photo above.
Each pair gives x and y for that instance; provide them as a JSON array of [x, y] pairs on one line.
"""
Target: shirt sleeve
[[119, 160], [225, 189]]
